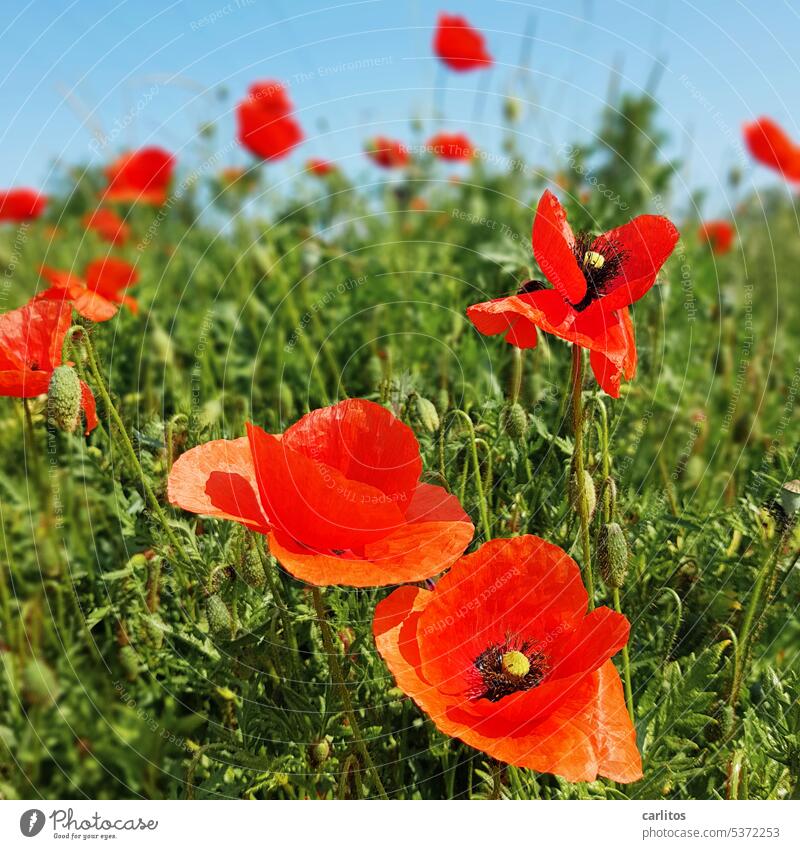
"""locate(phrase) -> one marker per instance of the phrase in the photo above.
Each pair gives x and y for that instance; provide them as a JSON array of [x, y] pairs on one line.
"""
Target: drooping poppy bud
[[427, 414], [220, 621], [612, 555], [39, 683], [318, 752], [64, 398], [515, 420], [252, 570]]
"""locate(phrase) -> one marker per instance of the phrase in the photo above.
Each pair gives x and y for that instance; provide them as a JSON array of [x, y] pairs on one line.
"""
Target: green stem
[[344, 694], [626, 661], [476, 467], [578, 468]]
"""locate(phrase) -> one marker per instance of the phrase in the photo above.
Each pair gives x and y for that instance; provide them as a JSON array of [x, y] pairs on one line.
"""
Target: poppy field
[[469, 477]]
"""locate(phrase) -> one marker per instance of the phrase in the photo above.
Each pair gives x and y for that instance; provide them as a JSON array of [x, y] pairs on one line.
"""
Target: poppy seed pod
[[612, 555], [64, 398], [790, 497], [220, 622], [427, 414], [252, 570], [515, 421], [574, 494]]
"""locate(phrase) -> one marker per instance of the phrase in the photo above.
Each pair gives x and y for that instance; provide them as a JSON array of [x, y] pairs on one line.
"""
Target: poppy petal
[[770, 146], [615, 735], [233, 496], [93, 306], [107, 276], [607, 373], [24, 383], [89, 408], [554, 249]]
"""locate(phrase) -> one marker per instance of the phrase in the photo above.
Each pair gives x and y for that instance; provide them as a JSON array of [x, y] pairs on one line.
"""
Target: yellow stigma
[[515, 664], [594, 260]]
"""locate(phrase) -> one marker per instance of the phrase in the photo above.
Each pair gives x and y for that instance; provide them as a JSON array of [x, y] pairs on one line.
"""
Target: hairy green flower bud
[[39, 683], [220, 621], [129, 661], [252, 570], [612, 555], [574, 494], [154, 630], [64, 398], [318, 752], [515, 420], [442, 401], [427, 414]]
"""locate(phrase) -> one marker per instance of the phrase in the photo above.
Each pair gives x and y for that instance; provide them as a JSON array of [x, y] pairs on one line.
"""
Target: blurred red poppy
[[503, 655], [387, 153], [770, 146], [31, 339], [339, 495], [460, 46], [108, 225], [451, 146], [21, 205], [321, 167], [717, 234], [595, 279], [142, 176], [266, 126], [98, 296]]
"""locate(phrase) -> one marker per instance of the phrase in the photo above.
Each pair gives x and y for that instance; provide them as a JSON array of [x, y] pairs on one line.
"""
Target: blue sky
[[141, 71]]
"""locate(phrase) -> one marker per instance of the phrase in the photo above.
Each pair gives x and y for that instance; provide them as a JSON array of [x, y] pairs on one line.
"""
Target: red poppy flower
[[503, 655], [108, 225], [98, 296], [451, 146], [31, 339], [21, 205], [595, 279], [338, 493], [717, 234], [770, 145], [266, 126], [320, 167], [460, 46], [142, 176], [388, 153]]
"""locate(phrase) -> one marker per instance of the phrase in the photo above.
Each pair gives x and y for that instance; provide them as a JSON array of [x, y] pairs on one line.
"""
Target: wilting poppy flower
[[142, 176], [503, 655], [339, 495], [108, 225], [320, 167], [770, 146], [21, 205], [451, 146], [98, 296], [387, 153], [717, 234], [266, 126], [595, 279], [460, 46], [31, 339]]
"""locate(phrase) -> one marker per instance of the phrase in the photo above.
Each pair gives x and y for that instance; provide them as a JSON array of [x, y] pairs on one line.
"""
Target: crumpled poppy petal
[[554, 246], [645, 244], [615, 736], [632, 355], [89, 408], [607, 373]]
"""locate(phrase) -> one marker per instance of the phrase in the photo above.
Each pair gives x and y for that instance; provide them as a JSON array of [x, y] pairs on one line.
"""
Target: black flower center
[[599, 266], [508, 667]]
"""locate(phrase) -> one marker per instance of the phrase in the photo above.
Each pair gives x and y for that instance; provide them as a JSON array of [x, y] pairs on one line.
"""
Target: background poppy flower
[[388, 153], [142, 176], [460, 46], [266, 126], [338, 493], [594, 280], [451, 146], [320, 167], [769, 145], [31, 339], [98, 296], [717, 234], [503, 655], [108, 225], [21, 205]]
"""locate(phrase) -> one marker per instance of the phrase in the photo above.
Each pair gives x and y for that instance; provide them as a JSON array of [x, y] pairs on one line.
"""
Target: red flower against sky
[[388, 153], [717, 234], [595, 279], [21, 205], [142, 176], [108, 225], [503, 655], [266, 126], [460, 46], [451, 146], [98, 296], [770, 146], [31, 339], [339, 495], [321, 167]]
